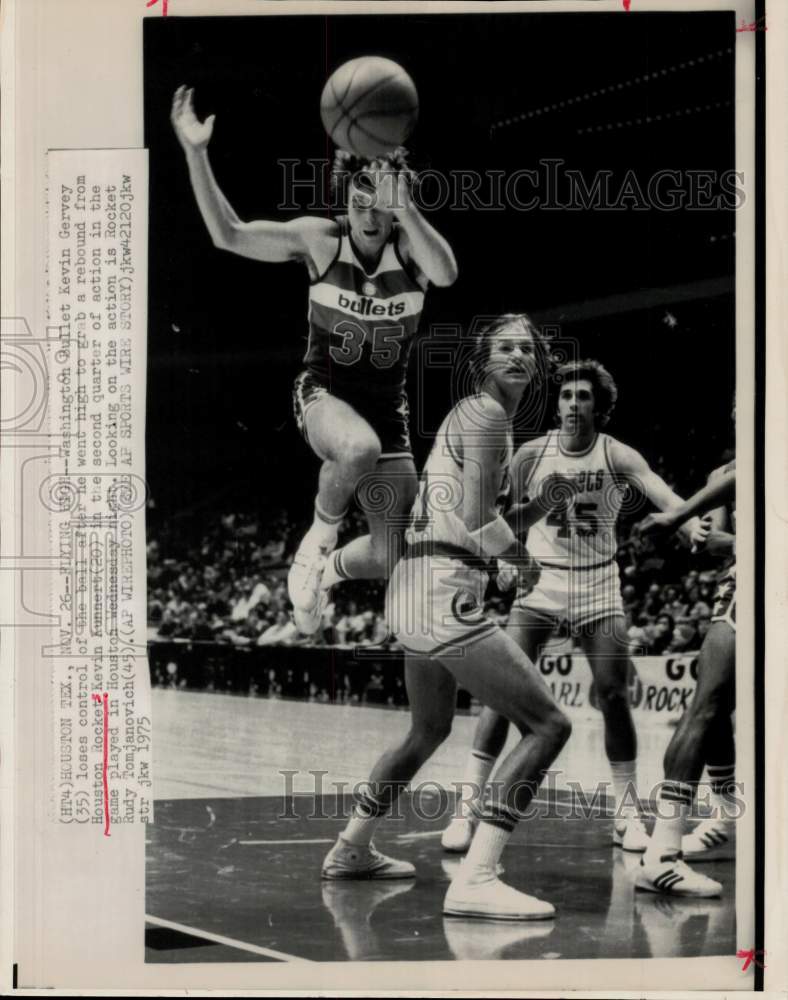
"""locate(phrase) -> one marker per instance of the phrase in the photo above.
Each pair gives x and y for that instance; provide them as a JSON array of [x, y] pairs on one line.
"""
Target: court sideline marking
[[255, 949]]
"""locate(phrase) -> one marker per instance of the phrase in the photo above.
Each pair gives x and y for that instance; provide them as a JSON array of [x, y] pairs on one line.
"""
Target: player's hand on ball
[[192, 133], [700, 532]]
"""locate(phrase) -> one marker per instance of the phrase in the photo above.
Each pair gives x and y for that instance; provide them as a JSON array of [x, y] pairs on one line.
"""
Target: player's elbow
[[445, 275], [225, 237]]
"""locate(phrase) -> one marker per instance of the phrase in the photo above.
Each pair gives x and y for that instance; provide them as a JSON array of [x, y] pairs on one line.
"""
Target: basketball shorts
[[724, 609], [435, 600], [575, 596], [387, 414]]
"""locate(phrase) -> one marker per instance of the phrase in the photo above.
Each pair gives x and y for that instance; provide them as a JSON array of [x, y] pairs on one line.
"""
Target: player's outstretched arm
[[422, 243], [261, 240], [631, 465], [716, 492]]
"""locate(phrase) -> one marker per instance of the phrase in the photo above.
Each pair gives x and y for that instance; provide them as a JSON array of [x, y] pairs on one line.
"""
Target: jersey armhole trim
[[534, 467], [334, 259], [407, 266], [450, 446]]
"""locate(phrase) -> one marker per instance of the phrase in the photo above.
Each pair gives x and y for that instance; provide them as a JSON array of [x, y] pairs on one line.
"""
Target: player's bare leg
[[684, 760], [432, 694], [530, 632], [498, 674], [606, 646], [350, 449], [386, 496]]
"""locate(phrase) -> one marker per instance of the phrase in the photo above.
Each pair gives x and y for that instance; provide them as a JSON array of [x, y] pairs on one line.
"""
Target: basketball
[[369, 106]]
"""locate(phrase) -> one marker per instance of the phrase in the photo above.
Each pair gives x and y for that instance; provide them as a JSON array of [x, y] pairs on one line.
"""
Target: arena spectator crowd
[[227, 584]]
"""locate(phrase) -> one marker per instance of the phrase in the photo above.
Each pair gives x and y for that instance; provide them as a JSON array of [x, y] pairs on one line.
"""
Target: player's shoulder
[[531, 450], [312, 226], [621, 457], [479, 412]]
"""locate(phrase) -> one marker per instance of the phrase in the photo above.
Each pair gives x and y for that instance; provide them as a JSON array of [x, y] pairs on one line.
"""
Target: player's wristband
[[493, 538]]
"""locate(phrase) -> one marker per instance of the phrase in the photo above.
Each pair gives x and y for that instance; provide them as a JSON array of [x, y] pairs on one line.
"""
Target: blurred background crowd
[[226, 583]]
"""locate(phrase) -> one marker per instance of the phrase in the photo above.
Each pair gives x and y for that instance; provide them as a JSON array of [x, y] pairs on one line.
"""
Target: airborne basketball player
[[576, 548], [368, 272]]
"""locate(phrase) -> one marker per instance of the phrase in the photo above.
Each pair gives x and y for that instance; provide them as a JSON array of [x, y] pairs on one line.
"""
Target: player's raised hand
[[192, 133], [393, 191]]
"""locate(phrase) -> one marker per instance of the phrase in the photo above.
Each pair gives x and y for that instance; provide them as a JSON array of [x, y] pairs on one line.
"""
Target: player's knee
[[559, 729], [360, 454], [428, 736], [554, 728], [705, 709], [612, 695]]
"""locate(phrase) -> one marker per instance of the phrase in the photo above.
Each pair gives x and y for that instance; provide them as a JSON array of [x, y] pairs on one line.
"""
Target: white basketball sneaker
[[458, 834], [711, 840], [484, 896], [672, 876], [630, 835], [304, 587]]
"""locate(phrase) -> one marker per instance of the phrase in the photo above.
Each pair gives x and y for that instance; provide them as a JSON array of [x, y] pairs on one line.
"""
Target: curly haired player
[[576, 547]]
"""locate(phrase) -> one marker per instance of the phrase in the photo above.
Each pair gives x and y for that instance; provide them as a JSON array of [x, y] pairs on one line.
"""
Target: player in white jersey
[[434, 606], [697, 736], [368, 273], [576, 547]]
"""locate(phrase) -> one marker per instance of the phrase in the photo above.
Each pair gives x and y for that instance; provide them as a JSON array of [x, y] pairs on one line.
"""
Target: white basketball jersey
[[437, 512], [580, 533]]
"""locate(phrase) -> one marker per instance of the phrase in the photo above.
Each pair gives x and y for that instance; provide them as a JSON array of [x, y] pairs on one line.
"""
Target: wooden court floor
[[233, 857]]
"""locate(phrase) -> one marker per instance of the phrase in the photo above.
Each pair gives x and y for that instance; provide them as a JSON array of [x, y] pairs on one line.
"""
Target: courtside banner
[[660, 687]]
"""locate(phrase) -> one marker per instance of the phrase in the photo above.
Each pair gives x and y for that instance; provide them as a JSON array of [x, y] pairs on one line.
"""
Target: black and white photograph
[[392, 497], [441, 455]]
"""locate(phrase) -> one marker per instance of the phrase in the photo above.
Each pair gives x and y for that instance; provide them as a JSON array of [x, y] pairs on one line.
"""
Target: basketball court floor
[[250, 796]]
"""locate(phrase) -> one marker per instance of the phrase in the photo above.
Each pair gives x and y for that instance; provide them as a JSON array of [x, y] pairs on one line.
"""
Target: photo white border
[[57, 55]]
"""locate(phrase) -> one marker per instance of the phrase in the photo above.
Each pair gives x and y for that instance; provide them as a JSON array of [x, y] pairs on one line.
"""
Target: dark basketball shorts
[[725, 599], [387, 415]]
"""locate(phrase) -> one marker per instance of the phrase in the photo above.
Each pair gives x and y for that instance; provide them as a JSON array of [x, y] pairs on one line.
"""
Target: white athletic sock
[[334, 572], [624, 773], [370, 807], [673, 807], [323, 531], [485, 851], [478, 766], [721, 791]]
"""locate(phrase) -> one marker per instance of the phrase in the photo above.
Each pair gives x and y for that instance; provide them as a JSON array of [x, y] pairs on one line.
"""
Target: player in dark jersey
[[662, 868], [368, 273]]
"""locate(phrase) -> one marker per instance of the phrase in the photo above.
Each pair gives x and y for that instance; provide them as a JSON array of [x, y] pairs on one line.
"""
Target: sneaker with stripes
[[672, 876], [711, 840]]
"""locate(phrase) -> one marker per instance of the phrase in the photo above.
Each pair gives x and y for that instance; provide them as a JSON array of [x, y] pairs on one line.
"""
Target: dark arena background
[[621, 240]]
